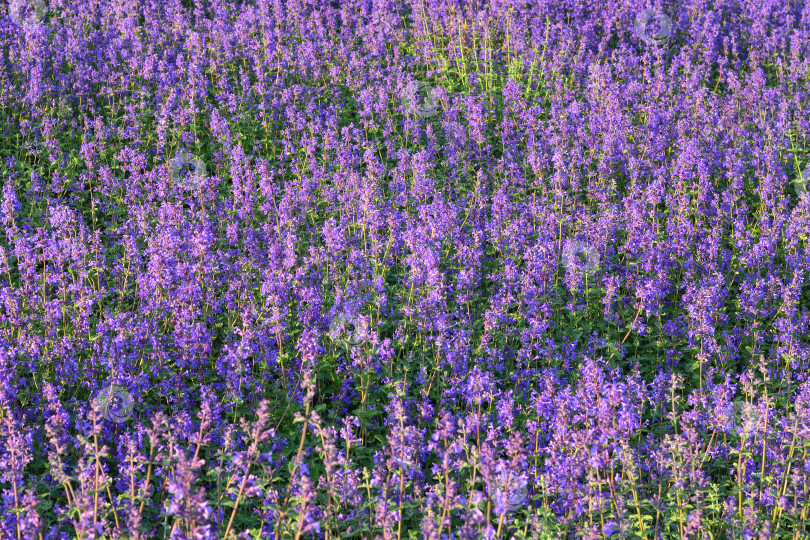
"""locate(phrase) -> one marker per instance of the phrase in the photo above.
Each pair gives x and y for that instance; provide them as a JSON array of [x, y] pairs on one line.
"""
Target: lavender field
[[443, 269]]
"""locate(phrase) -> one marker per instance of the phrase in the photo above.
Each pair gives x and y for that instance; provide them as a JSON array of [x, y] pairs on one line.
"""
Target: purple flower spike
[[610, 528]]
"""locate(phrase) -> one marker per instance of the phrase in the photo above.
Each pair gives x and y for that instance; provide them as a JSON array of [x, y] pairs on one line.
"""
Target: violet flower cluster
[[449, 269]]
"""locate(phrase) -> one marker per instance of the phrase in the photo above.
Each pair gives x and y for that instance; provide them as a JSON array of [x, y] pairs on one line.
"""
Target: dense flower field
[[404, 269]]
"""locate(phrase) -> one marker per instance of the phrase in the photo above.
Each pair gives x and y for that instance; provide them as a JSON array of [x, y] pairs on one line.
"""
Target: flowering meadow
[[393, 269]]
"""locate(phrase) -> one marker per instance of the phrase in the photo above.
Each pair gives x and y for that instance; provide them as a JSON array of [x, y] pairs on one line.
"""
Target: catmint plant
[[576, 306]]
